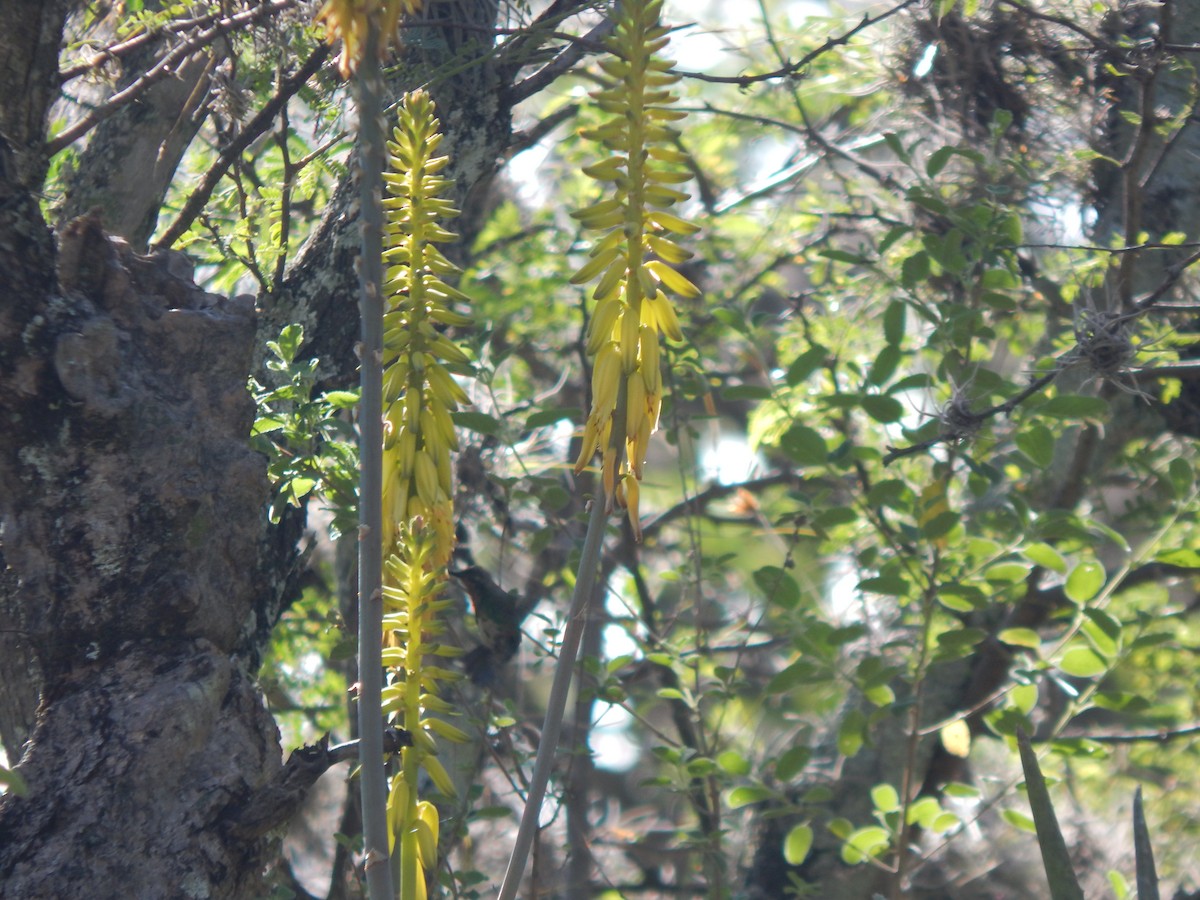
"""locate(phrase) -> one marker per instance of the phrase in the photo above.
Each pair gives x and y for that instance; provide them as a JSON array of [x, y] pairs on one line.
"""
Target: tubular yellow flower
[[346, 20], [634, 258], [420, 393]]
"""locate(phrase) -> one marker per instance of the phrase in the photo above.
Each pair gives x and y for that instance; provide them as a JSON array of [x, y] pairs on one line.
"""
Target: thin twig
[[792, 69], [253, 129], [164, 68], [561, 64]]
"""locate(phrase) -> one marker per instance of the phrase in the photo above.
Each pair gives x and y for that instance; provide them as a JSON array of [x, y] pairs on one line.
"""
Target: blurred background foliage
[[925, 473]]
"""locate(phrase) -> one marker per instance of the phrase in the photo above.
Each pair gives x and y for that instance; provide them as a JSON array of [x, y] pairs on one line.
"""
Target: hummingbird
[[498, 615]]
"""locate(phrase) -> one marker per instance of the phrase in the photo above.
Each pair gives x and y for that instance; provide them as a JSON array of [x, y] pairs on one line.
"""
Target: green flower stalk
[[635, 256]]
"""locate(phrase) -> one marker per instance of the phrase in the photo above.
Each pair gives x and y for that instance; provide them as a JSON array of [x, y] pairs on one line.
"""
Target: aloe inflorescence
[[635, 258], [419, 394], [349, 20]]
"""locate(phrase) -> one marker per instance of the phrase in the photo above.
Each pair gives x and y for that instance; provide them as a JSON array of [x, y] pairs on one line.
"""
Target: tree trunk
[[141, 578]]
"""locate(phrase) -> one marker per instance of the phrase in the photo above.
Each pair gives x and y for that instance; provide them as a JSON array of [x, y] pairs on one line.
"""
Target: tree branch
[[164, 68], [253, 129]]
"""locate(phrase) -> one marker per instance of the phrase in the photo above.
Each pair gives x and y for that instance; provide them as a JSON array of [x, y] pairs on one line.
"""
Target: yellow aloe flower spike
[[419, 394], [346, 20], [420, 362], [635, 258]]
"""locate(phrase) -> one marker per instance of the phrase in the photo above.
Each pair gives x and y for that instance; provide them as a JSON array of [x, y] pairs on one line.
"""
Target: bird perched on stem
[[498, 615]]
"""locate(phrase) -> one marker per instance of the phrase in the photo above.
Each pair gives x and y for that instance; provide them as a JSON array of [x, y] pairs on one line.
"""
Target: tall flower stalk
[[635, 256], [419, 394], [633, 260], [366, 29]]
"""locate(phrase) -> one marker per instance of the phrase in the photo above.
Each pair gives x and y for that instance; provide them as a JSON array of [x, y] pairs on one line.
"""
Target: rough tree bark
[[139, 573]]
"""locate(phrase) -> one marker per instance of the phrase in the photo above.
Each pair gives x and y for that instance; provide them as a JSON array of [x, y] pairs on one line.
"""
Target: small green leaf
[[747, 794], [805, 364], [733, 763], [1045, 556], [1020, 637], [864, 844], [1085, 581], [804, 445], [797, 844], [1036, 442], [1007, 572], [939, 157], [893, 322], [1103, 631], [1181, 475], [792, 763], [885, 797], [777, 585], [914, 270], [478, 422], [885, 366], [850, 734], [544, 417], [1083, 662], [341, 399], [1074, 406], [1019, 820], [14, 782], [883, 409]]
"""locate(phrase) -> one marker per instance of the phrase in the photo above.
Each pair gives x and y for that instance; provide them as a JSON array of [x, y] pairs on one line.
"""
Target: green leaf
[[893, 322], [1083, 662], [1009, 572], [747, 794], [883, 409], [850, 734], [914, 270], [1055, 858], [885, 366], [1020, 637], [1036, 442], [885, 798], [864, 844], [1074, 406], [792, 763], [13, 780], [797, 844], [733, 763], [1024, 697], [846, 257], [341, 399], [1181, 475], [804, 445], [777, 585], [805, 364], [1044, 555], [1103, 631], [1019, 820], [544, 417], [939, 157], [1085, 581], [478, 422], [1187, 559], [958, 642]]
